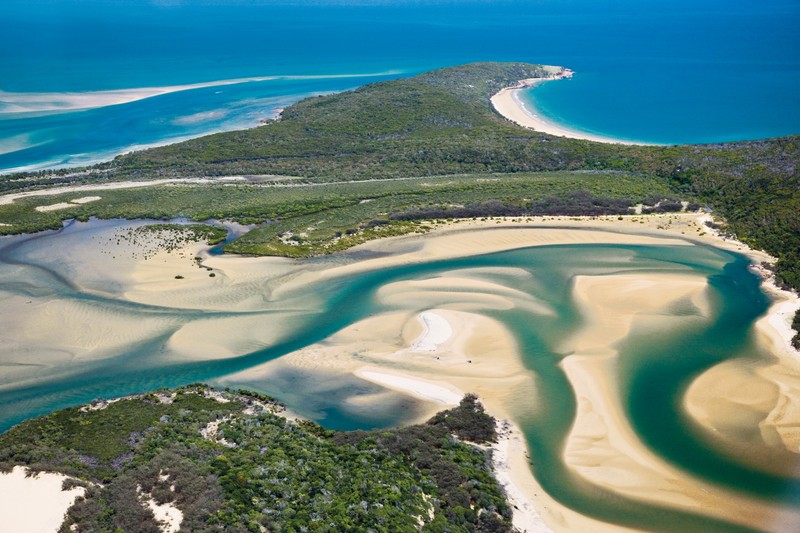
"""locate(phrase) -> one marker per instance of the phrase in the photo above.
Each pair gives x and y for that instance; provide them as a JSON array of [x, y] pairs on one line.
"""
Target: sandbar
[[602, 446], [464, 349], [39, 102]]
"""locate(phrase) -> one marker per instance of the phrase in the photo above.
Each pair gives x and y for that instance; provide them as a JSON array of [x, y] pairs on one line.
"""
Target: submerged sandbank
[[509, 104], [59, 102]]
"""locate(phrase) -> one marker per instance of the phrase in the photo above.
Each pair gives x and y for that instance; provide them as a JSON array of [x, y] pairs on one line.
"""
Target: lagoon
[[674, 314]]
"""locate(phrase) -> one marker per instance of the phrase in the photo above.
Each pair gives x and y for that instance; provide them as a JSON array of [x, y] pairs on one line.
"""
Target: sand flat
[[479, 355], [602, 446]]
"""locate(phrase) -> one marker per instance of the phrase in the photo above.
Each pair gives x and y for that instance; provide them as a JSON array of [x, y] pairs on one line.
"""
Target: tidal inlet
[[378, 267], [638, 372]]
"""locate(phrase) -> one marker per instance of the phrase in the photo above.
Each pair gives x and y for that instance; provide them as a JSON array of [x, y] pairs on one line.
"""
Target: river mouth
[[584, 346]]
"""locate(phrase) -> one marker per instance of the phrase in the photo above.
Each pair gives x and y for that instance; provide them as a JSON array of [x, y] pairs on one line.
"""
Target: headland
[[509, 104]]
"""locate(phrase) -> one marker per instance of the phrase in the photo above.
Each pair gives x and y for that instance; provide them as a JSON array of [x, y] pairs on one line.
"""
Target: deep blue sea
[[669, 71]]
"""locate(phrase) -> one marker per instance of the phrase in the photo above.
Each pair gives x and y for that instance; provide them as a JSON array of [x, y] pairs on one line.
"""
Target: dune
[[34, 503]]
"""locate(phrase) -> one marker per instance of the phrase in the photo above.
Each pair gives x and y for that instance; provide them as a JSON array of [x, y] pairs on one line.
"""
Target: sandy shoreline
[[646, 477], [436, 343], [508, 103]]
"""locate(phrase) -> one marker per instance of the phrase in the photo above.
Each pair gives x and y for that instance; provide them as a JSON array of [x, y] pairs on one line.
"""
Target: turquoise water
[[670, 71], [652, 377]]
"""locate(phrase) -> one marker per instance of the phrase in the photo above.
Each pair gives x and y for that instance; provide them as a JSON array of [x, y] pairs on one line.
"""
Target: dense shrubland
[[256, 470]]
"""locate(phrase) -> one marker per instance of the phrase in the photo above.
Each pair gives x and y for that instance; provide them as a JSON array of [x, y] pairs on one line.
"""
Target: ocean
[[675, 71]]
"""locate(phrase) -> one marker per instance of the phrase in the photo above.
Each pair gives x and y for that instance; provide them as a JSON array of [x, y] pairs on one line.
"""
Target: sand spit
[[416, 387], [34, 503], [602, 447], [18, 102], [508, 103], [71, 101]]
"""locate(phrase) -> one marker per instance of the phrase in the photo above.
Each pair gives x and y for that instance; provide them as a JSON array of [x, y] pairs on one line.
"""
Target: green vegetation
[[437, 124], [182, 233], [230, 464], [796, 327], [308, 219]]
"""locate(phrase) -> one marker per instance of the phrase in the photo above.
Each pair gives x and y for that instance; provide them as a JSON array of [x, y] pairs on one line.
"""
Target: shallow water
[[653, 372]]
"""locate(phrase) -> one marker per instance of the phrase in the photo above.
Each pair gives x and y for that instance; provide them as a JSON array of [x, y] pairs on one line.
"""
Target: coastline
[[469, 237], [509, 104], [60, 102], [438, 342]]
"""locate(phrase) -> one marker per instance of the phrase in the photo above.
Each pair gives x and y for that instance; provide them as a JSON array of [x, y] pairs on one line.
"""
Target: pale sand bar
[[602, 446], [479, 354], [509, 104], [18, 102]]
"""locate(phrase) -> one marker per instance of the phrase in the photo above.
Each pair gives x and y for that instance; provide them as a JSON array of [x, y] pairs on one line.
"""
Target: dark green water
[[654, 370]]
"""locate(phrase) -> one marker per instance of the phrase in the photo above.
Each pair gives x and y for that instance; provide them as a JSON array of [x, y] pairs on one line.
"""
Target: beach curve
[[508, 103]]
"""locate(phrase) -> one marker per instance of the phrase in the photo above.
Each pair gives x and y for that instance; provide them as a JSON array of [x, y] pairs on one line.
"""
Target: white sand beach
[[508, 103]]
